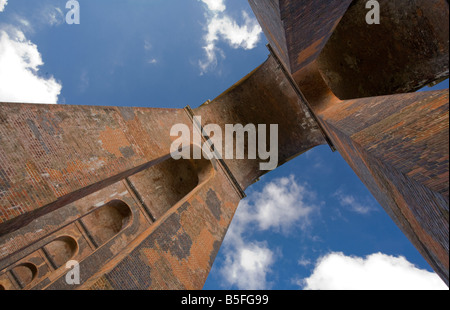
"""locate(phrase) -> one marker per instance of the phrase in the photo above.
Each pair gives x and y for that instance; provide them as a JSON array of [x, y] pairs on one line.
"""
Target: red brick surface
[[101, 178], [398, 146]]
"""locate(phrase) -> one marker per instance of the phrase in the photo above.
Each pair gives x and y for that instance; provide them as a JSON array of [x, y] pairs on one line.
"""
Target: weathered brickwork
[[98, 185], [138, 219], [50, 154], [269, 16], [179, 250], [398, 146], [317, 19], [348, 58], [272, 94], [398, 152], [71, 223]]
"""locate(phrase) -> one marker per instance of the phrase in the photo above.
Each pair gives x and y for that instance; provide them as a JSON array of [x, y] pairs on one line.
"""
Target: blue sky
[[311, 224]]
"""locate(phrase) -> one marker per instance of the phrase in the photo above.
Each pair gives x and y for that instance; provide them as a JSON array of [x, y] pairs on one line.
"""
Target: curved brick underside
[[355, 65], [264, 97], [406, 51]]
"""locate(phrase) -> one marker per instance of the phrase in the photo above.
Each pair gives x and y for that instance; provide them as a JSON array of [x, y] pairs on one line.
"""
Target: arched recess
[[107, 221], [61, 250], [162, 186], [102, 224], [25, 273]]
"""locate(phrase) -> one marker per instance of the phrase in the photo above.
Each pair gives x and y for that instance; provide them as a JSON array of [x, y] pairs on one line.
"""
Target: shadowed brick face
[[396, 146], [97, 184]]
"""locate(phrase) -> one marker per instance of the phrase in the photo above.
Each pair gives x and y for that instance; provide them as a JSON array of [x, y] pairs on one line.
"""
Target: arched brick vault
[[328, 80]]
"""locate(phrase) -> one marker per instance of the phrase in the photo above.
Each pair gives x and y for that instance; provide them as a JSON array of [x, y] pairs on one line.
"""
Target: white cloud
[[215, 5], [223, 27], [281, 205], [337, 271], [53, 16], [147, 45], [350, 202], [304, 262], [247, 266], [19, 71], [23, 25], [3, 3]]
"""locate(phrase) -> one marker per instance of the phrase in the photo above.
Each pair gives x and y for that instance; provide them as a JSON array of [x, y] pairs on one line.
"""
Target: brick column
[[398, 146]]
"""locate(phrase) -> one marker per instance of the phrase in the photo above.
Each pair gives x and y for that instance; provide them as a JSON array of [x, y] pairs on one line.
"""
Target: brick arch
[[162, 186], [107, 221], [25, 273], [61, 250]]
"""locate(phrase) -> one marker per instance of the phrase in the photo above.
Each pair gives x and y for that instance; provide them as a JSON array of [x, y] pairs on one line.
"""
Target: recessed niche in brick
[[61, 250], [25, 273], [107, 221], [162, 186]]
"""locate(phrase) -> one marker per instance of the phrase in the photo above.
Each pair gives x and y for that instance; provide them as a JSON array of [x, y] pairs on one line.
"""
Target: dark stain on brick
[[165, 232], [172, 240], [180, 246], [37, 134], [213, 204], [41, 285], [127, 113], [184, 207], [134, 273], [127, 151], [61, 116], [3, 118], [48, 126], [214, 252], [4, 183], [131, 274]]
